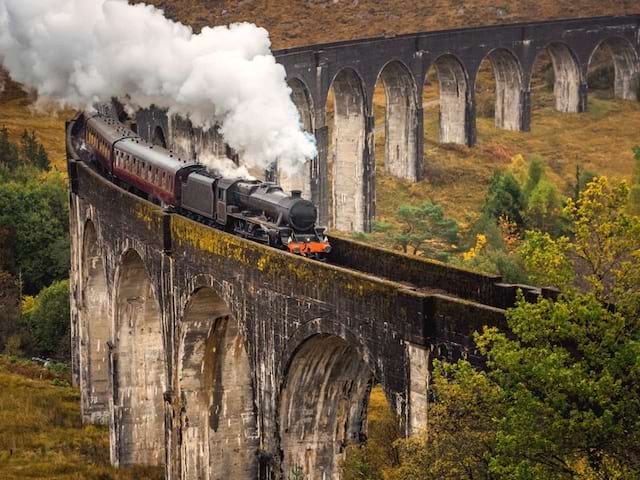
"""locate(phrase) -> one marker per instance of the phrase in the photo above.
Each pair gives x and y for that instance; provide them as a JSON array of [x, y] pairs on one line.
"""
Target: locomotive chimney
[[296, 193]]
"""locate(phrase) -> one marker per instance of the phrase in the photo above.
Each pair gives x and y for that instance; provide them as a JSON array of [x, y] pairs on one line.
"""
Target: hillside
[[303, 22], [457, 177], [41, 435], [17, 115]]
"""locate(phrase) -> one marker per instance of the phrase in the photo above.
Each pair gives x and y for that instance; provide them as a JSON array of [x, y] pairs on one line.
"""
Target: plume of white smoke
[[225, 167], [79, 52]]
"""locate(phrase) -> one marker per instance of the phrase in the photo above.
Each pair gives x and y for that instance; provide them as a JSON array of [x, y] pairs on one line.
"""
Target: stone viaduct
[[222, 358], [341, 181]]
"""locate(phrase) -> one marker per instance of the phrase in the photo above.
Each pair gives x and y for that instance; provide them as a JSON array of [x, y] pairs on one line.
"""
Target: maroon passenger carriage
[[150, 169]]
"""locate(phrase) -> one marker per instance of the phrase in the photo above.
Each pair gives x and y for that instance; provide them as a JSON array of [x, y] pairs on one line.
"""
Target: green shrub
[[48, 321], [37, 214]]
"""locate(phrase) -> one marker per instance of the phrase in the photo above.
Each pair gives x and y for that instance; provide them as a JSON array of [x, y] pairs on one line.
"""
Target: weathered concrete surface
[[229, 359], [139, 368], [96, 325], [301, 180], [567, 79], [508, 75], [348, 152], [217, 417], [400, 154], [323, 406]]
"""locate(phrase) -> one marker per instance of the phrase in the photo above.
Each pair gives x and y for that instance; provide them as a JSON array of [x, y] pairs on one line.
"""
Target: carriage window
[[164, 179]]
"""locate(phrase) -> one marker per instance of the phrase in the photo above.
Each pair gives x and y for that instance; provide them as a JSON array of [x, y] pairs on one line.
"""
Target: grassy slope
[[41, 435], [304, 22], [17, 115], [457, 177]]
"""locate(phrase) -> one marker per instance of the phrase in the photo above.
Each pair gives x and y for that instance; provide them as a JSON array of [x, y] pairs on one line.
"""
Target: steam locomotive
[[260, 211]]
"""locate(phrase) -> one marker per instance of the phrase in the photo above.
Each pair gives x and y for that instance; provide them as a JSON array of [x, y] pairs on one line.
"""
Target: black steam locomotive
[[256, 210]]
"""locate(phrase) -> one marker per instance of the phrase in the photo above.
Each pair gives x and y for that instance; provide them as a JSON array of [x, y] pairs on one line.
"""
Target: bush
[[37, 214], [504, 198], [48, 321]]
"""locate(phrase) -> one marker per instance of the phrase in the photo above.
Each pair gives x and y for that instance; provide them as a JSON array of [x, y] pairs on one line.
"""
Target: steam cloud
[[79, 52]]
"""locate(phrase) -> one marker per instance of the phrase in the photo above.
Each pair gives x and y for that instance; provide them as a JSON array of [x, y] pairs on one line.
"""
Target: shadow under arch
[[507, 72], [304, 103], [401, 120], [453, 100], [346, 158], [217, 415], [322, 407], [158, 137], [626, 84], [566, 77], [95, 327], [139, 367]]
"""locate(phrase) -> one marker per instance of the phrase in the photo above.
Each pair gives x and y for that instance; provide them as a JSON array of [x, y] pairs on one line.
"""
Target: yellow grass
[[41, 435], [457, 177], [17, 114]]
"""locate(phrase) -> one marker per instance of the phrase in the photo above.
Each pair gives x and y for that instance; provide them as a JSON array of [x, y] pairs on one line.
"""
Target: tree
[[9, 306], [33, 153], [504, 198], [37, 214], [561, 398], [460, 435], [423, 229], [372, 460], [634, 195], [8, 150], [48, 320]]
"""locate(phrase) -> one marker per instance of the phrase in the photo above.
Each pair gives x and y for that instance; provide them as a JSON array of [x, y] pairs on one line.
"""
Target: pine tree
[[8, 150]]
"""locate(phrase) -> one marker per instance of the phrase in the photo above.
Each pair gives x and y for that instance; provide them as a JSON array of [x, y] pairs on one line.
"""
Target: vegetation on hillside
[[559, 396], [41, 434], [34, 251], [304, 22]]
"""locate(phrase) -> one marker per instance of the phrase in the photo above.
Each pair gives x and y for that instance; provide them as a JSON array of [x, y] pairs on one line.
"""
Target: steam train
[[260, 211]]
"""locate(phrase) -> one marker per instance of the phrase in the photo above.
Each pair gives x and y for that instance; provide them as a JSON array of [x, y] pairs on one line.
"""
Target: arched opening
[[95, 321], [346, 152], [614, 69], [556, 70], [323, 407], [396, 120], [159, 138], [445, 93], [499, 90], [140, 368], [300, 180], [378, 452], [218, 424]]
